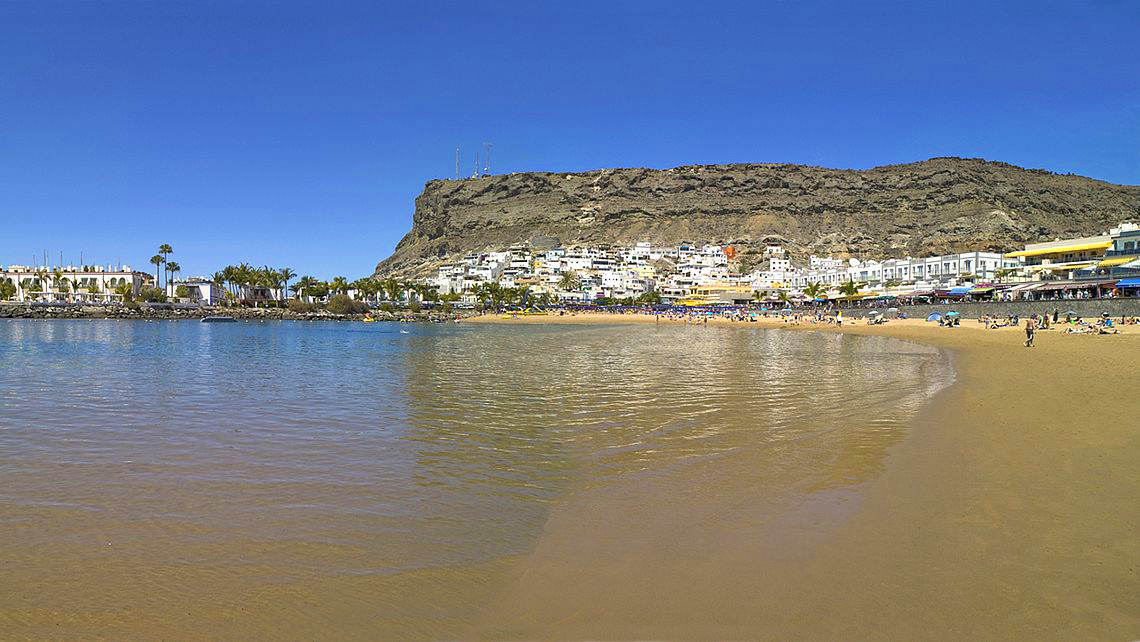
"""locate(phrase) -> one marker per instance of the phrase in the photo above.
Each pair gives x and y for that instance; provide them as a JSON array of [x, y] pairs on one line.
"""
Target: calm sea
[[346, 480]]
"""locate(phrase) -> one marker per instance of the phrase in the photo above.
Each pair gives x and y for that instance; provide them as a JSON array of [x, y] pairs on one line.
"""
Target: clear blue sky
[[299, 133]]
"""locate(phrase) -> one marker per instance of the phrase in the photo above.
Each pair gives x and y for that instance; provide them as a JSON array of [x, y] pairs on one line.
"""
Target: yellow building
[[1060, 257], [717, 294]]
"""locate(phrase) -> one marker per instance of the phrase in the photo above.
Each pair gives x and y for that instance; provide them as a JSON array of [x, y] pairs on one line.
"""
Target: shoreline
[[1009, 510]]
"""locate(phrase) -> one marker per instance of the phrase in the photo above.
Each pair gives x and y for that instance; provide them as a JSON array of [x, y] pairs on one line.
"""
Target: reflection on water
[[347, 479]]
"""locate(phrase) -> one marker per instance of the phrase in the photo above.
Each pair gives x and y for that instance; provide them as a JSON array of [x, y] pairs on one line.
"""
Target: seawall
[[174, 312], [1086, 308]]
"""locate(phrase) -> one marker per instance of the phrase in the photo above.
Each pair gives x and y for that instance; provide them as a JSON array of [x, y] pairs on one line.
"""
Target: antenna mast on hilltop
[[487, 167], [476, 174], [456, 162]]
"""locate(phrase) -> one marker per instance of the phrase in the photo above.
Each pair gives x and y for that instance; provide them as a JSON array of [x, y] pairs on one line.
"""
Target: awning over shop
[[1061, 249], [1076, 265], [1118, 260], [1080, 265], [981, 290], [1073, 285], [1128, 283], [956, 291]]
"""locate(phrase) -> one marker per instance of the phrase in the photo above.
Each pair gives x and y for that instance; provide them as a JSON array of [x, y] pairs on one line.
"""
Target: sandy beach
[[1011, 511]]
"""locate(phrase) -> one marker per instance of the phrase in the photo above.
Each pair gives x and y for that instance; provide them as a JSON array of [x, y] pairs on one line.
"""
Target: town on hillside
[[709, 274]]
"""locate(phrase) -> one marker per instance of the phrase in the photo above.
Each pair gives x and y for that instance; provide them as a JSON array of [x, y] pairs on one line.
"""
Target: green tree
[[648, 298], [850, 288], [126, 291], [285, 274], [7, 290], [172, 268], [36, 286], [305, 286], [152, 295], [814, 290], [569, 281], [165, 250], [342, 304], [157, 260], [182, 292], [393, 289], [1001, 274], [339, 285]]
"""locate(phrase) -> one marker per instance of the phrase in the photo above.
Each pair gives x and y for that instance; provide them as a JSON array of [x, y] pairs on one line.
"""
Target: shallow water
[[341, 480]]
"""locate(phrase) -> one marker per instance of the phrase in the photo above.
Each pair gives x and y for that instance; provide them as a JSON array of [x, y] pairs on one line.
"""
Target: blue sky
[[299, 133]]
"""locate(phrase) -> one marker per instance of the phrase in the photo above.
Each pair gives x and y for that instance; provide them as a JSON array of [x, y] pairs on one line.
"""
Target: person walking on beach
[[1030, 328]]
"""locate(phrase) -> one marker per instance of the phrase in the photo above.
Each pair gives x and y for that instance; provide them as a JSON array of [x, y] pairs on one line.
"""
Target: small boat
[[218, 319]]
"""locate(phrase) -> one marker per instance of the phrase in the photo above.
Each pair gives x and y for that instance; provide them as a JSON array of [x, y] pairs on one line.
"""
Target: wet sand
[[1011, 511]]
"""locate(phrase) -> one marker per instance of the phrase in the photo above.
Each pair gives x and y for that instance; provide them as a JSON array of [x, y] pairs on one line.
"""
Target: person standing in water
[[1030, 328]]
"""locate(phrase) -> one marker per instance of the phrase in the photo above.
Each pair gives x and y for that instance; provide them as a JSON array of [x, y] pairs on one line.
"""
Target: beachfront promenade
[[971, 310]]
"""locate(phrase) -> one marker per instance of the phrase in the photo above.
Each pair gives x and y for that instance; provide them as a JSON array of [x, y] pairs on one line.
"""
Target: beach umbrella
[[951, 314], [874, 313], [934, 316], [895, 310]]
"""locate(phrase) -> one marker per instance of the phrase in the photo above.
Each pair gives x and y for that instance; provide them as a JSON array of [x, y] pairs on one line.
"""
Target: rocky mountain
[[936, 206]]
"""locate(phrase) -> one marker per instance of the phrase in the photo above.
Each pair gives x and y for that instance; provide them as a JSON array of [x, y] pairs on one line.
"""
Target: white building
[[199, 291], [70, 284], [947, 269]]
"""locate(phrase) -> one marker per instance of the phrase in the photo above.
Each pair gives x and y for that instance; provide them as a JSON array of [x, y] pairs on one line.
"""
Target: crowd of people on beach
[[1072, 324], [1068, 323]]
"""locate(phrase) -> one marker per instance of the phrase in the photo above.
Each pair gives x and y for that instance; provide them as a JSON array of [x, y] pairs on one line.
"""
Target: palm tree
[[850, 288], [219, 279], [228, 275], [165, 250], [393, 289], [157, 260], [285, 274], [304, 284], [1001, 274], [339, 284], [245, 278], [125, 290], [569, 281], [171, 268], [813, 290], [58, 281], [448, 299]]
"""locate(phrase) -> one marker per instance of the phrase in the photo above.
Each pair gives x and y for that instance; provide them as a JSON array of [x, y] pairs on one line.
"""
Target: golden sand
[[1012, 511]]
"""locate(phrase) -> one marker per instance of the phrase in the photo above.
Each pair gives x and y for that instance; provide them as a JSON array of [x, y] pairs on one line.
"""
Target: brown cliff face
[[937, 206]]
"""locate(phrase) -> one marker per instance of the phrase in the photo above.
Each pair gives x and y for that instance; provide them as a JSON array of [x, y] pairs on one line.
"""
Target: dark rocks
[[116, 311]]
